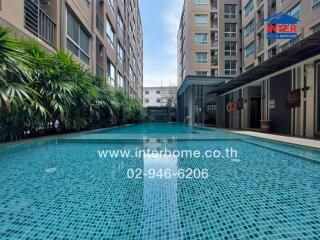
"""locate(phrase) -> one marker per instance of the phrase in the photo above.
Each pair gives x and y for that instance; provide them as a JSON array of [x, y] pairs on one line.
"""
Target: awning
[[302, 50]]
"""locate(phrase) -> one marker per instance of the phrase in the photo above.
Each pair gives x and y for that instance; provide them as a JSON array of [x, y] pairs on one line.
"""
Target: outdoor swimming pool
[[63, 189]]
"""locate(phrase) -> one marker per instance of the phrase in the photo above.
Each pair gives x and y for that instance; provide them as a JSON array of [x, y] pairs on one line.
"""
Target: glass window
[[146, 92], [111, 73], [110, 33], [230, 67], [78, 40], [201, 57], [249, 28], [295, 11], [230, 10], [230, 48], [230, 29], [202, 74], [249, 7], [158, 100], [158, 92], [146, 100], [201, 2], [120, 80], [201, 38], [201, 20], [249, 50], [120, 52]]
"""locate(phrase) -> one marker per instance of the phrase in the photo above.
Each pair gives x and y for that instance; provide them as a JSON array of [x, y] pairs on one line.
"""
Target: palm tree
[[18, 101]]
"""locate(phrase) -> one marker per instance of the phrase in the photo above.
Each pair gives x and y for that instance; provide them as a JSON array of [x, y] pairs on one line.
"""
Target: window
[[158, 100], [111, 73], [158, 92], [201, 57], [249, 28], [315, 3], [110, 33], [201, 2], [146, 92], [249, 7], [87, 1], [78, 40], [120, 80], [202, 73], [146, 100], [120, 52], [230, 48], [120, 22], [230, 10], [201, 20], [249, 50], [230, 67], [230, 29], [316, 28], [295, 11], [201, 38]]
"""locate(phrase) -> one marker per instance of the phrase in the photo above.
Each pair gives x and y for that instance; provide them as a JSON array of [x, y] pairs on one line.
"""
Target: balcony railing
[[214, 24], [259, 2], [99, 24], [214, 43], [38, 22], [214, 62], [99, 71], [260, 24], [260, 47]]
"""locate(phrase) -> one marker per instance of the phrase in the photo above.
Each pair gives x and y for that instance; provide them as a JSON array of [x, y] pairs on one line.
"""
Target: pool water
[[62, 189]]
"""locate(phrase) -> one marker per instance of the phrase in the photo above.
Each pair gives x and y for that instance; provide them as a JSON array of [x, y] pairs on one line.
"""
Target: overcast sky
[[160, 20]]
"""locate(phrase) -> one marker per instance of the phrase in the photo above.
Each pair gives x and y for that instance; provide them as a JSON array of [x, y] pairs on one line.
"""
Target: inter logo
[[282, 26]]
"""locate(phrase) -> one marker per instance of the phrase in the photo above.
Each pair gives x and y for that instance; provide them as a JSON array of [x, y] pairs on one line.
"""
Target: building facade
[[159, 96], [105, 36], [273, 81]]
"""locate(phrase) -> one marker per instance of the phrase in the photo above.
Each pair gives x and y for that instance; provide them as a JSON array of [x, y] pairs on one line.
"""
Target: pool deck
[[286, 139]]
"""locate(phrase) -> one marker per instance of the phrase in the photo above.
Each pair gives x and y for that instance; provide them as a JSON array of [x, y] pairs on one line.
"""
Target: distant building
[[159, 96]]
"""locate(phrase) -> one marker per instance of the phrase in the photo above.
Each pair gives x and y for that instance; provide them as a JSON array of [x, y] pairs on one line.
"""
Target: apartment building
[[105, 36], [209, 39], [256, 47], [163, 96], [273, 81]]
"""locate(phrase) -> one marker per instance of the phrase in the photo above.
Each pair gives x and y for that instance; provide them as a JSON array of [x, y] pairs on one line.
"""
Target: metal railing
[[38, 22], [99, 71], [99, 24], [259, 2], [260, 47], [260, 24], [214, 43]]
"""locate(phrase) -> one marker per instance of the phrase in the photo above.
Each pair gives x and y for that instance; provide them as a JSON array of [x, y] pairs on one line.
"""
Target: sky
[[160, 22]]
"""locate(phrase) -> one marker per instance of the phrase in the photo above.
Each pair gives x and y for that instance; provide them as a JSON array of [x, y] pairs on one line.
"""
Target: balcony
[[214, 61], [214, 43], [259, 2], [260, 47], [99, 24], [260, 24], [99, 71], [214, 5], [38, 22]]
